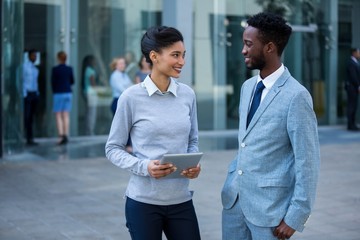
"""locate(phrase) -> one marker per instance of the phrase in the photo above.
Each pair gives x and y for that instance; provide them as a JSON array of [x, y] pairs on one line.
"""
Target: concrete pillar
[[179, 14], [330, 8]]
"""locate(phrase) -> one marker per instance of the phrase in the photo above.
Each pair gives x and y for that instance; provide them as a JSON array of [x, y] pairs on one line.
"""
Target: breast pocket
[[275, 126]]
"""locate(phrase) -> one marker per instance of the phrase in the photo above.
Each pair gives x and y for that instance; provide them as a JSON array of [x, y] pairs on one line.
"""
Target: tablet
[[182, 161]]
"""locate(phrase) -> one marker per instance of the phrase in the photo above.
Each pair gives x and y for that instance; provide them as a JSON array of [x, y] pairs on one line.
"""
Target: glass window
[[12, 100], [219, 65], [107, 29]]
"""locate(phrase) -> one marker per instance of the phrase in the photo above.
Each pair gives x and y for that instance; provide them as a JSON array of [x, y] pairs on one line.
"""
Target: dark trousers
[[30, 103], [352, 102], [114, 105], [147, 221]]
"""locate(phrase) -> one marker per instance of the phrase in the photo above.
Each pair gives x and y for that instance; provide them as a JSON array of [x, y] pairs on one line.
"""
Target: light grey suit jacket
[[275, 172]]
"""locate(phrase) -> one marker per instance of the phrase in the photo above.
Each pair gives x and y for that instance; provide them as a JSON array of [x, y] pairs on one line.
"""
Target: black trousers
[[352, 102], [30, 103], [147, 221]]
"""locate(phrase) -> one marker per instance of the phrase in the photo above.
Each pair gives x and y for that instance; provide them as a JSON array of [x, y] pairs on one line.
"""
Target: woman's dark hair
[[157, 38], [272, 28]]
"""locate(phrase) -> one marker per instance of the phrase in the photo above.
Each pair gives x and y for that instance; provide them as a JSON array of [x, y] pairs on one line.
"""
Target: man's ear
[[270, 47]]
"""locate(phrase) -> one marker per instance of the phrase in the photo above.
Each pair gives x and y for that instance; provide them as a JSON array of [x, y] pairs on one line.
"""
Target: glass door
[[11, 60], [227, 20], [45, 30]]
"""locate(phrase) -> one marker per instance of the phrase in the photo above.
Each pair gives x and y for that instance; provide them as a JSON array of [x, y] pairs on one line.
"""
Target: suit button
[[242, 145], [240, 172]]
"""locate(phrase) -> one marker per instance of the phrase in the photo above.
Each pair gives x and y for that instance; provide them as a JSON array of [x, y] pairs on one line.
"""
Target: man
[[31, 94], [352, 86], [271, 184]]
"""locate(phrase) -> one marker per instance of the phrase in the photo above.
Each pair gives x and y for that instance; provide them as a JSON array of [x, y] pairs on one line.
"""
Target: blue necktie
[[255, 102]]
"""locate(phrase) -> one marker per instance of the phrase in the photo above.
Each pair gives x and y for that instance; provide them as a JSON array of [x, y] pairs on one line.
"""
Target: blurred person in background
[[131, 65], [144, 70], [30, 75], [119, 80], [62, 78], [352, 87], [88, 82]]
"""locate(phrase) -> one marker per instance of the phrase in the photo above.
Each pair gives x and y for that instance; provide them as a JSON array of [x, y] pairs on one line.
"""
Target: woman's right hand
[[158, 170]]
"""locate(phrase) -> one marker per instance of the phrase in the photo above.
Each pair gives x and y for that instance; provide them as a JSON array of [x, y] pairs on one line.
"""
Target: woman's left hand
[[192, 172]]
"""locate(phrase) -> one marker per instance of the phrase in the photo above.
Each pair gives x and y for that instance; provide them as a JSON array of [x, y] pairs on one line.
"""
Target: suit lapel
[[274, 91], [245, 101]]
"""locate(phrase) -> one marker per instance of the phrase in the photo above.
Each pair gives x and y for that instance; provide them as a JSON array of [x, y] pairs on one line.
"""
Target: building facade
[[324, 32]]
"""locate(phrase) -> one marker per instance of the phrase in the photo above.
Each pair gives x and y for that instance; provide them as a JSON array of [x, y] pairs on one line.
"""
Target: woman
[[62, 78], [119, 80], [144, 70], [89, 92], [160, 116]]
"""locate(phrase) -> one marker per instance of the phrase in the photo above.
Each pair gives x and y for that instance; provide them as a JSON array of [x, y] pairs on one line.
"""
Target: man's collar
[[354, 59], [271, 79]]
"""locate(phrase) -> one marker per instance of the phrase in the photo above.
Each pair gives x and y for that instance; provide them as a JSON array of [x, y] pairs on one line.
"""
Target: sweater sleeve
[[193, 136], [118, 137]]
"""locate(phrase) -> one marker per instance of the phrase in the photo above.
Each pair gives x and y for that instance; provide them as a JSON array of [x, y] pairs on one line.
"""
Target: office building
[[324, 31]]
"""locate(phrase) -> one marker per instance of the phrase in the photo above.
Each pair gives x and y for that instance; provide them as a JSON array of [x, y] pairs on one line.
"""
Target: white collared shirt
[[270, 80], [152, 88], [30, 78], [354, 59]]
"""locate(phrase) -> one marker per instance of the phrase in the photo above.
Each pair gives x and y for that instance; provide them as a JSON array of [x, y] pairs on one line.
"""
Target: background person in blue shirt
[[160, 116], [30, 76], [62, 78], [119, 80]]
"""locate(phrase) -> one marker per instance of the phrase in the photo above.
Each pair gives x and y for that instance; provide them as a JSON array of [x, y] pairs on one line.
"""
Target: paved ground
[[56, 193]]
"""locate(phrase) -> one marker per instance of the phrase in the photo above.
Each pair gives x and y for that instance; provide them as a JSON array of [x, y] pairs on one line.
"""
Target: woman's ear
[[153, 56]]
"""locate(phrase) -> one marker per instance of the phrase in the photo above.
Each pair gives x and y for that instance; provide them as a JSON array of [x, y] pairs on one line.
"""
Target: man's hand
[[283, 231]]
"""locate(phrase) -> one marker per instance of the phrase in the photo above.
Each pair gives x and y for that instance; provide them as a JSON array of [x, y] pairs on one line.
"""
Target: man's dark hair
[[31, 51], [272, 28], [353, 50]]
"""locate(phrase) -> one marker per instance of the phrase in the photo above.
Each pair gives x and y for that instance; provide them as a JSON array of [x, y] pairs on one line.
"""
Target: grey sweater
[[158, 123]]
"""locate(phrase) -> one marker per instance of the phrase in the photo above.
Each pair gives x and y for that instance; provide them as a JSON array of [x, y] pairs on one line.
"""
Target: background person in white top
[[119, 80]]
